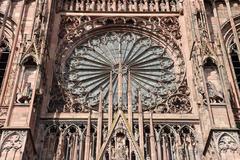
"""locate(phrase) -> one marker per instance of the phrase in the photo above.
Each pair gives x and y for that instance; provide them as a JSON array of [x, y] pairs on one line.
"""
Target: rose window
[[119, 64]]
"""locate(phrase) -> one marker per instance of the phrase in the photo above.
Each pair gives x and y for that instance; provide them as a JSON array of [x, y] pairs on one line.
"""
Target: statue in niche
[[156, 2], [135, 5], [136, 133], [213, 84], [114, 5], [163, 6], [99, 6], [25, 95], [151, 6], [141, 6], [26, 80], [173, 6], [104, 5], [120, 150], [88, 5], [81, 5], [131, 6], [215, 95], [120, 6], [124, 5], [145, 6], [105, 132], [109, 5], [92, 5]]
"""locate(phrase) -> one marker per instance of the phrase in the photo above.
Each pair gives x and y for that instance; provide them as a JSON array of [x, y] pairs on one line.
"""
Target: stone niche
[[26, 81], [20, 111]]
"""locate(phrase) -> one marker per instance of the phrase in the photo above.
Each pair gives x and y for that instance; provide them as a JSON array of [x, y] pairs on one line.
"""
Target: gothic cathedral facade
[[119, 79]]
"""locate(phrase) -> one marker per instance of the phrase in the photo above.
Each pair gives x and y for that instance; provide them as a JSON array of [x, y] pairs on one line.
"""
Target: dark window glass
[[4, 53], [235, 62]]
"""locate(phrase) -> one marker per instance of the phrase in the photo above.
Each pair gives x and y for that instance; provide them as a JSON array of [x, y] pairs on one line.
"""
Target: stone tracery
[[90, 66], [72, 28], [92, 63], [12, 143], [154, 99]]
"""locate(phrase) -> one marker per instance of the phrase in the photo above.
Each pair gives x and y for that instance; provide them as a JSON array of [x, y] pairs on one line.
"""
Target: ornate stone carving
[[201, 20], [3, 111], [120, 142], [67, 139], [171, 25], [223, 144], [72, 28], [88, 69], [12, 142], [177, 141], [227, 143], [2, 121], [120, 151], [25, 95], [121, 5], [63, 102], [177, 102], [38, 19], [213, 81], [27, 78]]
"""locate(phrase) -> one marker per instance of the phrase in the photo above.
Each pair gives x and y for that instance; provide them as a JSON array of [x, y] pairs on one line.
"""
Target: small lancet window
[[213, 82], [26, 81], [4, 54], [235, 62]]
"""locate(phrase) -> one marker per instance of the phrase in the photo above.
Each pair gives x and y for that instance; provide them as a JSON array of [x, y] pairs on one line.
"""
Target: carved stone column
[[158, 139], [99, 125], [129, 100], [110, 105], [140, 122], [152, 140], [80, 154], [88, 140]]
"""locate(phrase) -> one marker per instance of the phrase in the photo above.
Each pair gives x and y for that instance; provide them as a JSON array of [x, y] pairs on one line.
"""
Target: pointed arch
[[231, 48], [120, 118], [12, 143], [213, 80], [50, 142], [9, 28], [226, 142]]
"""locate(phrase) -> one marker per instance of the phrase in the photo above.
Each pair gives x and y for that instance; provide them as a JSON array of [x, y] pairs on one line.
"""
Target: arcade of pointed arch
[[120, 6]]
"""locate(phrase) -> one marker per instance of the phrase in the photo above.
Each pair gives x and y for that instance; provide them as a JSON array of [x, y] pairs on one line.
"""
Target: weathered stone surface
[[119, 79]]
